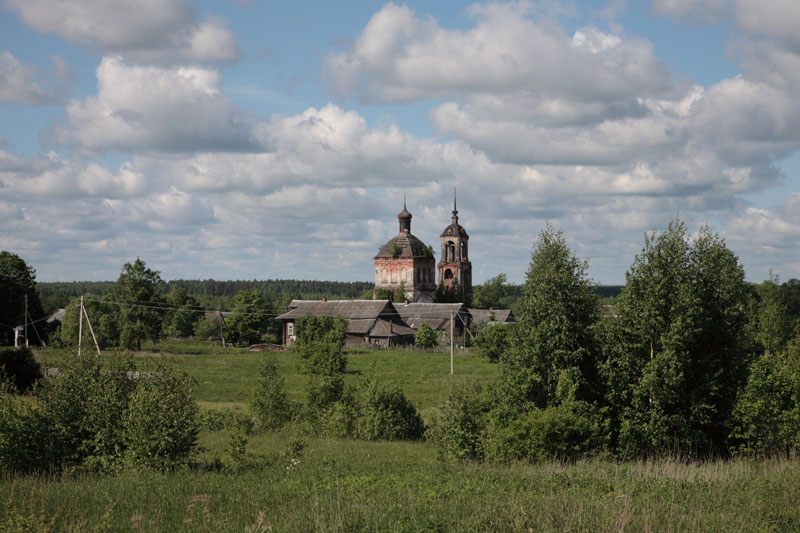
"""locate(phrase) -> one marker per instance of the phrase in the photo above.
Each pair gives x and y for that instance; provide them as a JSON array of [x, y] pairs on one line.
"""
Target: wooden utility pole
[[221, 325], [451, 341], [91, 330], [80, 327]]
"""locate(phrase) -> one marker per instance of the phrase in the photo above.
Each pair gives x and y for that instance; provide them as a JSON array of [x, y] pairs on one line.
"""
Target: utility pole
[[80, 327], [221, 325], [451, 341], [25, 320]]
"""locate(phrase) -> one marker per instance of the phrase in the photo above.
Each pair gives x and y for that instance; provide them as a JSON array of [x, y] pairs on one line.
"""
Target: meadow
[[294, 481]]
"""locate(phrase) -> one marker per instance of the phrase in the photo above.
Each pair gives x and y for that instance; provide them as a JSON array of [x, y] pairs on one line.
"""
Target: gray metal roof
[[407, 246]]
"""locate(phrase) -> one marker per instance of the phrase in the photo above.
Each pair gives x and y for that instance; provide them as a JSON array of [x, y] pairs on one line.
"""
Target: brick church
[[406, 261]]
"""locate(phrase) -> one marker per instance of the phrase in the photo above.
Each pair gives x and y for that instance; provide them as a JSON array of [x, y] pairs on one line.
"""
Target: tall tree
[[552, 346], [493, 293], [249, 320], [17, 280], [676, 351], [183, 313], [141, 308]]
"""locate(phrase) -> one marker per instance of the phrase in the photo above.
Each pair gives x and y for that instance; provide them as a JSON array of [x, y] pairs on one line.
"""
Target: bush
[[270, 404], [425, 337], [563, 432], [386, 414], [20, 368], [161, 422], [492, 342], [767, 412], [23, 434], [320, 358], [460, 428]]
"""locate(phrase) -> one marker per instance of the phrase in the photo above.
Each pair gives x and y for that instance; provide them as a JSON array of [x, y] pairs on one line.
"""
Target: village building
[[371, 323], [438, 316], [455, 269], [406, 262]]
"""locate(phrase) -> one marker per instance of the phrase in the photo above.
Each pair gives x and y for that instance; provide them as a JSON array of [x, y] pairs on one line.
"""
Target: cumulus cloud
[[166, 109], [18, 85], [144, 30], [400, 57]]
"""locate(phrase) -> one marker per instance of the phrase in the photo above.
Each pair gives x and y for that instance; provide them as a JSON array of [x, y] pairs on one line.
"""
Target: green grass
[[347, 485]]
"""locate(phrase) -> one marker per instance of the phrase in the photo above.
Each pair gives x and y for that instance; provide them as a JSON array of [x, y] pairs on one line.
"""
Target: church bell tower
[[455, 269]]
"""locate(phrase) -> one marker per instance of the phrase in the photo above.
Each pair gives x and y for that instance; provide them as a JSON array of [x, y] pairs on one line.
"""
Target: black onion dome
[[404, 214]]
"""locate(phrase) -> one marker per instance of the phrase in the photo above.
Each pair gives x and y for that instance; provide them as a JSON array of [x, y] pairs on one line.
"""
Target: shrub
[[269, 403], [563, 432], [161, 422], [23, 434], [386, 414], [425, 337], [767, 412], [492, 342], [320, 358], [20, 368], [460, 428]]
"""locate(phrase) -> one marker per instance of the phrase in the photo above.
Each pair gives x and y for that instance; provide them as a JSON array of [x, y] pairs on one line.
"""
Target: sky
[[276, 140]]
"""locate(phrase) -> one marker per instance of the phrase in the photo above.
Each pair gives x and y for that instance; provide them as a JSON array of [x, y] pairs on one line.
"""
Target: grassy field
[[346, 485]]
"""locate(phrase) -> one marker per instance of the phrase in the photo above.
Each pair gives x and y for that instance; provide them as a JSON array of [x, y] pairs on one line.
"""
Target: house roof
[[436, 316], [481, 316], [382, 329], [349, 309], [406, 245]]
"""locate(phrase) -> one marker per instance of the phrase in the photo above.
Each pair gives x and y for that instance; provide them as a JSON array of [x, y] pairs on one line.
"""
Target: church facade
[[405, 261]]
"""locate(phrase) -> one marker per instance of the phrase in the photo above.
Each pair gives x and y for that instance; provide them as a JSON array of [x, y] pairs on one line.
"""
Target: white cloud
[[166, 109], [18, 85], [147, 30], [399, 57]]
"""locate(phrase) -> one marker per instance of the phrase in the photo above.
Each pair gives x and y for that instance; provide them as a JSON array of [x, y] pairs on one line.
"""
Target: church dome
[[404, 245]]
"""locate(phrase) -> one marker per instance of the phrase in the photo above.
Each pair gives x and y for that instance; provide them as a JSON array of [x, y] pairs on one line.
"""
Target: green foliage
[[105, 323], [138, 292], [386, 414], [400, 293], [426, 337], [180, 322], [455, 294], [19, 367], [493, 293], [676, 351], [394, 249], [17, 280], [249, 321], [269, 403], [567, 431], [555, 326], [383, 294], [460, 428], [767, 412], [208, 327], [319, 344], [24, 444], [161, 422], [492, 342], [769, 317]]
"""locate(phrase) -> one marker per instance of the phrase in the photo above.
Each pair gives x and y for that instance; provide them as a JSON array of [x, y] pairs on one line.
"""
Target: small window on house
[[290, 328]]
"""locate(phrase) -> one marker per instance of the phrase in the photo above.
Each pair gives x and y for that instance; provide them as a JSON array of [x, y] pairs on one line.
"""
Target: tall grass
[[346, 485]]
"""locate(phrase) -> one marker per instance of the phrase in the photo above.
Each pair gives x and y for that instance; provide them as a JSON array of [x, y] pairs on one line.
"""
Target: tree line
[[694, 361]]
